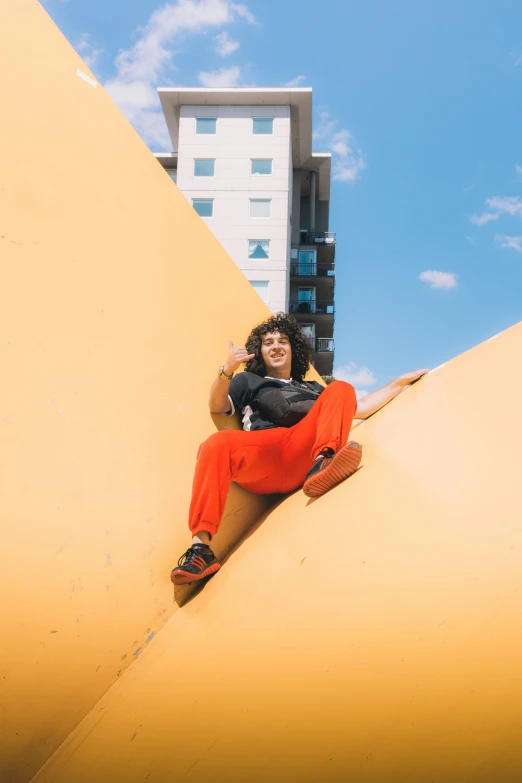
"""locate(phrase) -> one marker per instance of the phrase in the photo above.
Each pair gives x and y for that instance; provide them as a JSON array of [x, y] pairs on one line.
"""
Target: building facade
[[243, 158]]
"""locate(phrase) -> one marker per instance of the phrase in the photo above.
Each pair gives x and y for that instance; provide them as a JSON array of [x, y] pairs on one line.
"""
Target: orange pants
[[267, 461]]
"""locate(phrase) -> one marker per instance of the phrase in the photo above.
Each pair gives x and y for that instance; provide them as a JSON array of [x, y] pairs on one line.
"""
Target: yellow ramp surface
[[116, 304], [373, 634]]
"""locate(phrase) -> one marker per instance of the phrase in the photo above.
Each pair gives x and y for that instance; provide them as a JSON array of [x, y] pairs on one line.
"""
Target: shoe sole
[[343, 465], [185, 578]]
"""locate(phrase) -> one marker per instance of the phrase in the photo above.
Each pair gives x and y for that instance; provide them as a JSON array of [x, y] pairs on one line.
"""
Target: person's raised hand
[[236, 357], [411, 377]]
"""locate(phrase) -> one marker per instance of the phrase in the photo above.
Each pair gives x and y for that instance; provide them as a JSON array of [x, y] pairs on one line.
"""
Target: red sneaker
[[331, 468]]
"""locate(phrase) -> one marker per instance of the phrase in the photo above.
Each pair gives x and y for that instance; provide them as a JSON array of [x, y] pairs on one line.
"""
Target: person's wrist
[[228, 370]]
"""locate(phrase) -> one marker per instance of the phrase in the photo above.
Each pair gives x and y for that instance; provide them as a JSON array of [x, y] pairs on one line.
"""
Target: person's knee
[[341, 388], [215, 442]]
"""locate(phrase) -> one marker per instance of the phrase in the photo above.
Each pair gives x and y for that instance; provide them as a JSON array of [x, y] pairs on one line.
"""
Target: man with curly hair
[[266, 456]]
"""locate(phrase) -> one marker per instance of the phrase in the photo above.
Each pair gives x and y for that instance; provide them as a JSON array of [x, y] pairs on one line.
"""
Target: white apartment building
[[243, 158]]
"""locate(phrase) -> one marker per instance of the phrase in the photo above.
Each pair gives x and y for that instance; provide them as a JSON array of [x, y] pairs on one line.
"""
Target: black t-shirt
[[246, 387]]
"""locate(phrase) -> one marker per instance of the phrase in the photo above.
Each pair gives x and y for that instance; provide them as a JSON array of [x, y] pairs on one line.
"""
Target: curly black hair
[[284, 324]]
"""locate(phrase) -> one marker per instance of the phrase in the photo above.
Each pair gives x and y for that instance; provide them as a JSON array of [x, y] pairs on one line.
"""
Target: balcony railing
[[316, 237], [313, 306], [322, 344], [312, 269]]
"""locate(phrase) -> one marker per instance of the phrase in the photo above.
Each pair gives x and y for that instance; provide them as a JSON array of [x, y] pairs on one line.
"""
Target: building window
[[306, 265], [203, 206], [204, 167], [259, 248], [206, 126], [306, 300], [260, 207], [263, 126], [261, 166], [309, 332], [261, 286], [173, 174]]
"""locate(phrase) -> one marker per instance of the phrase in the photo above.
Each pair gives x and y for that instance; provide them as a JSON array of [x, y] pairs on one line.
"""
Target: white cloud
[[439, 279], [348, 172], [138, 100], [325, 129], [514, 243], [518, 169], [225, 77], [500, 205], [225, 45], [242, 11], [348, 162], [139, 68], [87, 50], [357, 376], [512, 205], [341, 143], [486, 217], [348, 169], [295, 82], [153, 51]]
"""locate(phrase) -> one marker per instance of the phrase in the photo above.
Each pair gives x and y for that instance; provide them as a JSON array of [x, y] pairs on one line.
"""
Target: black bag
[[286, 406]]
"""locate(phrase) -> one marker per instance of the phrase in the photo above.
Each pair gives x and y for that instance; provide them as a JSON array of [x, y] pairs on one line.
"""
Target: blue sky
[[419, 103]]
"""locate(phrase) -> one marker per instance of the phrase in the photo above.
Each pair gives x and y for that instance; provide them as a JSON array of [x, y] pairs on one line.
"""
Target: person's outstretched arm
[[373, 402], [218, 401]]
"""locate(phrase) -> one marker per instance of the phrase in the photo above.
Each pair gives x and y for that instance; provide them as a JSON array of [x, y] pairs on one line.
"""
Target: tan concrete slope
[[116, 304], [374, 634]]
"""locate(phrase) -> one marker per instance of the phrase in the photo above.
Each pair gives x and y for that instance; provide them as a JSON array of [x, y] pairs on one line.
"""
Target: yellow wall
[[116, 304], [373, 634]]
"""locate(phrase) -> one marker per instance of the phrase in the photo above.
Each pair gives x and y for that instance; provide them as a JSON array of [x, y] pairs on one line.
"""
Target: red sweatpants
[[267, 461]]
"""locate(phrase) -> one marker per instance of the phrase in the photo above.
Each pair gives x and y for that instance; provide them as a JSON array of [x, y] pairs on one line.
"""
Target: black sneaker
[[331, 467], [198, 562]]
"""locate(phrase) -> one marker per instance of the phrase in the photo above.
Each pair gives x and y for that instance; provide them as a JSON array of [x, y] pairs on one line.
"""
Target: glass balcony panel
[[312, 306]]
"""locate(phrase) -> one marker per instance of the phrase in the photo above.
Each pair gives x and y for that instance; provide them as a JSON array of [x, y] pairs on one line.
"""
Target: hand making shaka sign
[[236, 357]]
